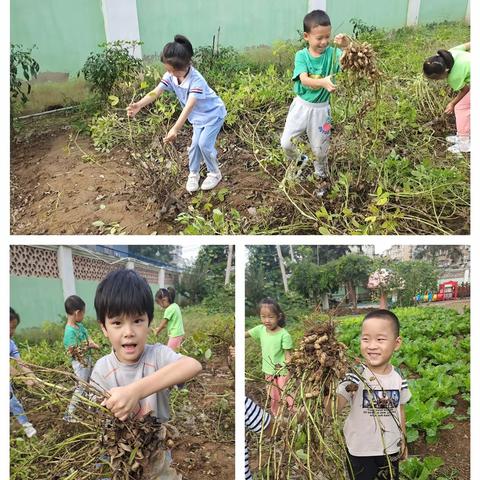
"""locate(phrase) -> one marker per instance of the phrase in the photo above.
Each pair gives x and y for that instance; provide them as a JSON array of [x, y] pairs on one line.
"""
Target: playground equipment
[[450, 290]]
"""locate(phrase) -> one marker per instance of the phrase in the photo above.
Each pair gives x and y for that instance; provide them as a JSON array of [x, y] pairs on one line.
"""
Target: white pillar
[[467, 13], [413, 12], [317, 5], [130, 265], [65, 269], [121, 22], [161, 278]]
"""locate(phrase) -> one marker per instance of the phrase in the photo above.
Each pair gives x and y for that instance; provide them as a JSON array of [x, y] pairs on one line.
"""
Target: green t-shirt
[[459, 75], [174, 320], [74, 336], [316, 67], [273, 348]]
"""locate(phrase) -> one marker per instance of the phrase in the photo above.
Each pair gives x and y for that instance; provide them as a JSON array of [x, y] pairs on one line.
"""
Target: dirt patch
[[452, 445], [61, 185]]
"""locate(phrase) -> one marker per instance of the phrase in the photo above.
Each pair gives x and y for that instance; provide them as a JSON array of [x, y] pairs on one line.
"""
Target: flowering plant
[[384, 279]]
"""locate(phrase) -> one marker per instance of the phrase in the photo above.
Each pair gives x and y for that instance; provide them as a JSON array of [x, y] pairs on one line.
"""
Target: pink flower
[[326, 127]]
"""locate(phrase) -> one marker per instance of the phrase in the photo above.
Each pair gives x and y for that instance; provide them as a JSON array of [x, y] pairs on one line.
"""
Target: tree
[[281, 263], [353, 270], [315, 282], [162, 253], [419, 276], [320, 254]]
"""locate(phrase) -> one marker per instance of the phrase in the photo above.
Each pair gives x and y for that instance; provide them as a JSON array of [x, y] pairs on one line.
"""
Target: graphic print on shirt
[[380, 402]]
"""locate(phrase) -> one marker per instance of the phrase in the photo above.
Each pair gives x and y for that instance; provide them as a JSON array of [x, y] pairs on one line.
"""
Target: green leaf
[[207, 354], [98, 223], [324, 231], [113, 99], [222, 193], [143, 85]]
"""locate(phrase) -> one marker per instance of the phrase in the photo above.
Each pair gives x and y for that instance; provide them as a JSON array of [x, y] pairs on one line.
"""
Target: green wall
[[36, 300], [389, 15], [441, 10], [243, 24], [64, 31], [86, 291], [41, 299]]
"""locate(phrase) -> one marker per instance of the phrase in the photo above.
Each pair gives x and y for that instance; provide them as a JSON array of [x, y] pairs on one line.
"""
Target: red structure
[[447, 291]]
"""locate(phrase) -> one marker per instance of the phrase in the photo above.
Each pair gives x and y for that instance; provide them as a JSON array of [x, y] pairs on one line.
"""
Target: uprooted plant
[[133, 449], [307, 440]]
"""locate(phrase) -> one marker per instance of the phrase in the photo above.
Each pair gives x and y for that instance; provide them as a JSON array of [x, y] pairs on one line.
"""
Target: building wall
[[37, 289], [66, 31]]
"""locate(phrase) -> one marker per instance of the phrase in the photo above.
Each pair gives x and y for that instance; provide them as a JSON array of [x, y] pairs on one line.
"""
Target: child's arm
[[172, 134], [451, 105], [31, 380], [150, 97], [403, 422], [341, 404], [317, 83], [92, 344], [162, 325], [288, 356], [124, 400]]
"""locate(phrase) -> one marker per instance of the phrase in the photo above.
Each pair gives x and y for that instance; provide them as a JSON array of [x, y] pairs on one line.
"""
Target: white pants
[[315, 119]]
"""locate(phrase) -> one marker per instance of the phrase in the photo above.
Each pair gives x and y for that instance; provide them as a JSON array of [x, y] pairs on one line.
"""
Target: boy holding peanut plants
[[374, 430], [135, 375], [313, 83]]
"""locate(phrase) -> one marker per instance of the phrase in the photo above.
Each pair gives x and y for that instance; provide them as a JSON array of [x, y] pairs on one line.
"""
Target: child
[[76, 336], [201, 105], [313, 83], [454, 65], [16, 407], [377, 404], [136, 375], [276, 344], [172, 318]]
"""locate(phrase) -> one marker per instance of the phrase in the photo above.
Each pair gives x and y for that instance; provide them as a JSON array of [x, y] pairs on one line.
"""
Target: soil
[[61, 185], [452, 445]]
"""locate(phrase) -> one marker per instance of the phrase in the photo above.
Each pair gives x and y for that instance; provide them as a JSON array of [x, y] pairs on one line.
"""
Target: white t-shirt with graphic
[[375, 408]]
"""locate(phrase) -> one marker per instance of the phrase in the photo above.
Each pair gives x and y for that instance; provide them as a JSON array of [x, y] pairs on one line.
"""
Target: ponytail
[[178, 53], [438, 64]]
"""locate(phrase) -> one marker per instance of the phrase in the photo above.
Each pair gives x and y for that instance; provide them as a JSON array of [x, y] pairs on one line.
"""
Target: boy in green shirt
[[313, 84], [76, 339]]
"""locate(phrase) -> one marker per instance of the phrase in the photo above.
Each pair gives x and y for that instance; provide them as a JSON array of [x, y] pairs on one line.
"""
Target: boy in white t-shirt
[[136, 375], [375, 430]]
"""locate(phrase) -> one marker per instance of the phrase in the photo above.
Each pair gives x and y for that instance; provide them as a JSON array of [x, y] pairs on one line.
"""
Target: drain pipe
[[47, 112]]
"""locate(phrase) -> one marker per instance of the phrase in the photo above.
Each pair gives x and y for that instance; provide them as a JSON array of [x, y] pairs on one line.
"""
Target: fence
[[66, 31]]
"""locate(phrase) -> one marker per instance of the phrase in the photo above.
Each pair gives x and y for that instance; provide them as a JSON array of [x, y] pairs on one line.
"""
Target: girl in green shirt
[[172, 318], [454, 66], [276, 345]]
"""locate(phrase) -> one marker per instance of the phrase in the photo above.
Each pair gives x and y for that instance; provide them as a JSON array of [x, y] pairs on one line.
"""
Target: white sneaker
[[29, 430], [319, 169], [192, 182], [463, 146], [452, 139], [211, 181]]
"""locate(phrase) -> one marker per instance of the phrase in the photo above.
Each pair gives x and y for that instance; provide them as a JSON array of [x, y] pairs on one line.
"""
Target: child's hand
[[450, 108], [328, 84], [133, 109], [122, 401], [341, 40], [171, 135]]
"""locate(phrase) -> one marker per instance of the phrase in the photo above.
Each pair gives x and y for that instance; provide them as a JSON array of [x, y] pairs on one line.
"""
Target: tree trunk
[[291, 254], [383, 300], [352, 294], [282, 268], [325, 303], [229, 264]]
